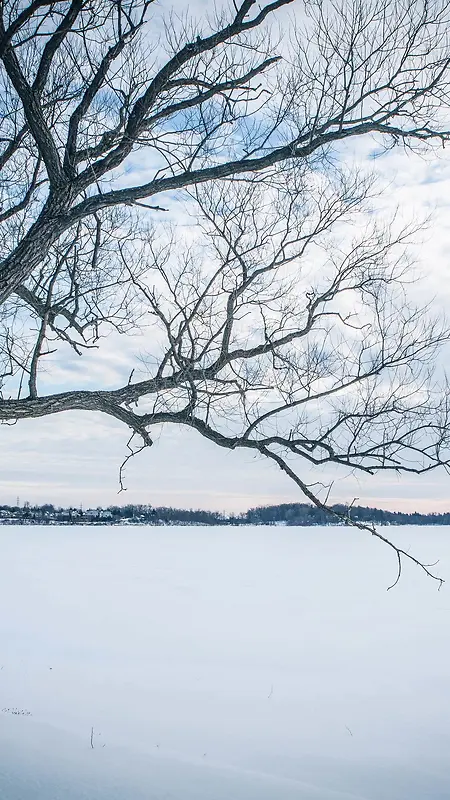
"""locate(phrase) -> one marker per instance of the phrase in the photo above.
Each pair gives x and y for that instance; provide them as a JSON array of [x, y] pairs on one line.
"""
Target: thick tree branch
[[294, 150], [33, 114]]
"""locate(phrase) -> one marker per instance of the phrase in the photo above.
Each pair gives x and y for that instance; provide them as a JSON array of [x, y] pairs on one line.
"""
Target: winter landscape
[[221, 662], [224, 400]]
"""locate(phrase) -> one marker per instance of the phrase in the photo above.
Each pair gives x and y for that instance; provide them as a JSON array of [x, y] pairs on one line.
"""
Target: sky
[[74, 458]]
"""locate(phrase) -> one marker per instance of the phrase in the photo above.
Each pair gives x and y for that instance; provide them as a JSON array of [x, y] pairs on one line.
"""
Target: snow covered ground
[[222, 664]]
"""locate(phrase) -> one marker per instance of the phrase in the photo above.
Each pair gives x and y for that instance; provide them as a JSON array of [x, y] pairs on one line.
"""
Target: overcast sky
[[74, 458]]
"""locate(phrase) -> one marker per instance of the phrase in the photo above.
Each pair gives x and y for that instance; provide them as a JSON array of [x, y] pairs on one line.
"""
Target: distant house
[[92, 513]]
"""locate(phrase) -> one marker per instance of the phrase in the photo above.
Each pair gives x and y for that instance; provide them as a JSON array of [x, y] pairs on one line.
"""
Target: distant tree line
[[167, 514], [305, 514], [296, 514]]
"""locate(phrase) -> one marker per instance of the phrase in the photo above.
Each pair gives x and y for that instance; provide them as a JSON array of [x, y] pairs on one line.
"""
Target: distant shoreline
[[285, 514], [33, 524]]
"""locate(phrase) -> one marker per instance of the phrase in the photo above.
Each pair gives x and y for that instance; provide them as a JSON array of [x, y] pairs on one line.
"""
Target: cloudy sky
[[74, 458]]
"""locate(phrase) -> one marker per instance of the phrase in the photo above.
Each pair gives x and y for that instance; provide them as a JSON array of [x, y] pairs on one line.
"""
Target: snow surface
[[222, 664]]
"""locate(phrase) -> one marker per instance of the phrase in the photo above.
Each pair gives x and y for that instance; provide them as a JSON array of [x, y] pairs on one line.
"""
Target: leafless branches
[[280, 319], [81, 95]]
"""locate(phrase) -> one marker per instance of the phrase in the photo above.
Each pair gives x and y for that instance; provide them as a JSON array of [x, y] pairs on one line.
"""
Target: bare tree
[[270, 335]]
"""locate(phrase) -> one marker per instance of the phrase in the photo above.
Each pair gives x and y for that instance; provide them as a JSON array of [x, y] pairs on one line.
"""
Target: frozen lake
[[222, 664]]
